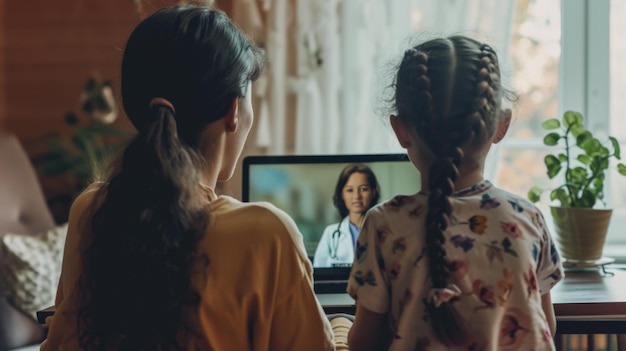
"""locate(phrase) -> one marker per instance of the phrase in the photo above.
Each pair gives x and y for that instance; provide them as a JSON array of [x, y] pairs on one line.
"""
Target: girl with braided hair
[[461, 265]]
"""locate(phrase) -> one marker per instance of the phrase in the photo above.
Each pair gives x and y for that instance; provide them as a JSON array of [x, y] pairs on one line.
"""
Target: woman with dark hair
[[154, 259], [357, 191]]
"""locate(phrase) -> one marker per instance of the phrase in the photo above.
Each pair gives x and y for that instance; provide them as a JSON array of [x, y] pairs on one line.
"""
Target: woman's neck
[[356, 219]]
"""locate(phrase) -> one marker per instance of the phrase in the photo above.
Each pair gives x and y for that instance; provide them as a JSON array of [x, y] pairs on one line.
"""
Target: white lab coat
[[342, 242]]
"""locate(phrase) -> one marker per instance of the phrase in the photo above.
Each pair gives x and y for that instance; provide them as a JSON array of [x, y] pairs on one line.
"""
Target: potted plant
[[80, 155], [582, 160]]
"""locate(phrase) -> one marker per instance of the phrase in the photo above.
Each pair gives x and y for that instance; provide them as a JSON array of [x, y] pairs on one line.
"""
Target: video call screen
[[303, 187]]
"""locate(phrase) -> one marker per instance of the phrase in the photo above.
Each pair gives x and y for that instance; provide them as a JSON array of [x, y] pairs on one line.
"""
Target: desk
[[590, 303], [584, 303]]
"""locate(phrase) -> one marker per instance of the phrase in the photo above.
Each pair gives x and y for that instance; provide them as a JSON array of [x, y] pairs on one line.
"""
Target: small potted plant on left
[[582, 160], [82, 154]]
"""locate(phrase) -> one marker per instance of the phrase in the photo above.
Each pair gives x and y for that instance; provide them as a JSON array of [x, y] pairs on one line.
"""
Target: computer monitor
[[303, 187]]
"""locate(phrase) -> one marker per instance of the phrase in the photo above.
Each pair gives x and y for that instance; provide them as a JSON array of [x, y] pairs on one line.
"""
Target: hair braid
[[442, 175], [486, 103], [420, 98]]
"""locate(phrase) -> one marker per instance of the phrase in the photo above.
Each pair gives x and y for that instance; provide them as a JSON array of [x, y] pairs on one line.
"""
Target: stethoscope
[[334, 240]]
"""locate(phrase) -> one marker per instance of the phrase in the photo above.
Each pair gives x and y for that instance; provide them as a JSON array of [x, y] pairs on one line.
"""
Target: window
[[566, 55], [617, 69], [617, 116], [559, 55], [535, 53]]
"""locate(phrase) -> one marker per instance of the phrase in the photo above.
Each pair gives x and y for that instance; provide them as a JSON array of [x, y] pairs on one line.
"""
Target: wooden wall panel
[[51, 52], [2, 70]]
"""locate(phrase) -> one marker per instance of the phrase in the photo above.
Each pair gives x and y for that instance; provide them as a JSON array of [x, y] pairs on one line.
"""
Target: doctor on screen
[[356, 192]]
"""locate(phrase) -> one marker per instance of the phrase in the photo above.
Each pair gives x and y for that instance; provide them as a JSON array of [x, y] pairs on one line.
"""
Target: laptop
[[303, 187]]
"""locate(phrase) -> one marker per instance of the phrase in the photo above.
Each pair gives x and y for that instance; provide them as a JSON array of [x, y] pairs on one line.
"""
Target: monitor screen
[[303, 187]]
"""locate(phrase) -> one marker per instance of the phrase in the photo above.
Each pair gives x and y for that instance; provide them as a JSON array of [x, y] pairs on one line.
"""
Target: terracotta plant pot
[[580, 232]]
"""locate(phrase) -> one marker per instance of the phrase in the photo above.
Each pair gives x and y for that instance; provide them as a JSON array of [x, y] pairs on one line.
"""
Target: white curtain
[[341, 45], [343, 48], [271, 90]]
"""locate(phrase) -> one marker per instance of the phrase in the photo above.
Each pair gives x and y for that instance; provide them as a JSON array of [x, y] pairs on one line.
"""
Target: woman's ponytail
[[144, 237]]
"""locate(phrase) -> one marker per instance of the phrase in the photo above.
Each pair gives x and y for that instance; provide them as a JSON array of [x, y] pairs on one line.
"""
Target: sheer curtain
[[344, 49], [268, 22]]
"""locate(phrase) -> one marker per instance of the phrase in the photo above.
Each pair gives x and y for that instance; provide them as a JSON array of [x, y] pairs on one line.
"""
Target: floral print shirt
[[500, 256]]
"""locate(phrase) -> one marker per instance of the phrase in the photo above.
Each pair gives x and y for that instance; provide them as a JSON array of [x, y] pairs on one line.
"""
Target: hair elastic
[[163, 102]]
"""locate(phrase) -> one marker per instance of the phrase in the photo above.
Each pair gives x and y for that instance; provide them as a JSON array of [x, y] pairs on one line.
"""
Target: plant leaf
[[79, 142], [578, 175], [562, 157], [553, 165], [598, 184], [602, 151], [583, 138], [572, 118], [551, 139], [577, 130], [621, 169], [560, 195], [592, 146], [588, 199], [616, 148], [58, 166], [600, 176], [534, 194], [584, 159], [551, 124], [604, 163]]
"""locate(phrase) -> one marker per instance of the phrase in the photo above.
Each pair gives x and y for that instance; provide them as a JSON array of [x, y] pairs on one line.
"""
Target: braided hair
[[447, 91]]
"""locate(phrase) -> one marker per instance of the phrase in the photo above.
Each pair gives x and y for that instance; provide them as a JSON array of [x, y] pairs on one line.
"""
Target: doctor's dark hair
[[345, 174], [448, 92], [151, 212]]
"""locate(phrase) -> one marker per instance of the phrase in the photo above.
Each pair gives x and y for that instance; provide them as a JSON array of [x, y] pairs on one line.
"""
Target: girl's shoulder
[[490, 197], [399, 203], [516, 202], [400, 207], [398, 211]]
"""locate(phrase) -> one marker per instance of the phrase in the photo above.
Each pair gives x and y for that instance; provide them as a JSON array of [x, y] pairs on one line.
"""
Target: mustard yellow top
[[258, 293]]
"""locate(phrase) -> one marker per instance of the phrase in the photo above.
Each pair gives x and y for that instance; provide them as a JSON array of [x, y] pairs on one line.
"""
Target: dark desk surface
[[591, 303], [584, 303], [591, 294]]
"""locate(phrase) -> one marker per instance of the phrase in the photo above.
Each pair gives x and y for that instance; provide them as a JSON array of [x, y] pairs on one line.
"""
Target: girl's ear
[[401, 131], [503, 126]]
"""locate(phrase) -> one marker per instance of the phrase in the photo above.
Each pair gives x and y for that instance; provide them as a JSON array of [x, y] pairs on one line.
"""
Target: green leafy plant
[[93, 139], [583, 159]]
